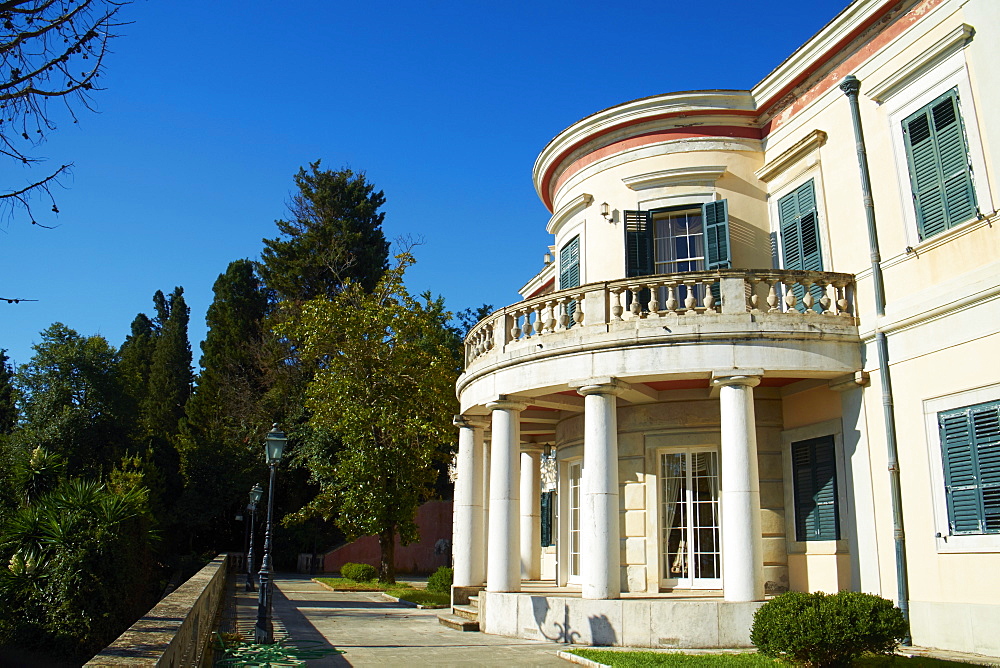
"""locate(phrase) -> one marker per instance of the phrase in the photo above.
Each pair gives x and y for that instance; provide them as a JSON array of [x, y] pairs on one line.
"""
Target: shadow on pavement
[[299, 629]]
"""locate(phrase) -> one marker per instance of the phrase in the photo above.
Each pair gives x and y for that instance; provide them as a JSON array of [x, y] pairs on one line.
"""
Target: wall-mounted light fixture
[[606, 211]]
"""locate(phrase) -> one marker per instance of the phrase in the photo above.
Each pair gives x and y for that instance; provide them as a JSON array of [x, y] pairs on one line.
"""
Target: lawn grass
[[739, 660], [420, 596], [345, 584]]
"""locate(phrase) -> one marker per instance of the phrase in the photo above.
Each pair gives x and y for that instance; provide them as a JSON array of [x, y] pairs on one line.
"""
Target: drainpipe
[[851, 85]]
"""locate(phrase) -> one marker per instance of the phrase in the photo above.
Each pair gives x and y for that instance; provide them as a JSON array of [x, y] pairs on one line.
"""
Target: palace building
[[762, 355]]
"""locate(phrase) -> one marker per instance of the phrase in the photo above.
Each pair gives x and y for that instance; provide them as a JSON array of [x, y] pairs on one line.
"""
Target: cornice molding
[[791, 155], [567, 211], [830, 37], [683, 176], [935, 53]]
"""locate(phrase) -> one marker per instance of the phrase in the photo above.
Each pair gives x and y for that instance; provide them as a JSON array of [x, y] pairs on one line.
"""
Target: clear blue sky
[[211, 107]]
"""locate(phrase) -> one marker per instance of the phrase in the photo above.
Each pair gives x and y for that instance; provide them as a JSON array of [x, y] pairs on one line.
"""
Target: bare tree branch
[[49, 49]]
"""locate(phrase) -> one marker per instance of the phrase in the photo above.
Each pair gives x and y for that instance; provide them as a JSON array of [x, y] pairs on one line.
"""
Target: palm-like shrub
[[75, 566]]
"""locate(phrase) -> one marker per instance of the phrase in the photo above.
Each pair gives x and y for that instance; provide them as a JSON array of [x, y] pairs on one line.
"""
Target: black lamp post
[[264, 631], [255, 494]]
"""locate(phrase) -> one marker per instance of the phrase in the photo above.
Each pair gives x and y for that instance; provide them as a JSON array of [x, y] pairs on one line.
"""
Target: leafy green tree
[[136, 360], [386, 367], [73, 402], [227, 416], [334, 234], [75, 568]]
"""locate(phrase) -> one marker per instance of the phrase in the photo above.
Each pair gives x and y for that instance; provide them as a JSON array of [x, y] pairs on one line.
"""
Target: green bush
[[826, 630], [440, 581], [359, 572]]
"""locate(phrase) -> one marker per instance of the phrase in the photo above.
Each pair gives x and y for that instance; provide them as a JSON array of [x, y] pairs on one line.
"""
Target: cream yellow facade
[[743, 348]]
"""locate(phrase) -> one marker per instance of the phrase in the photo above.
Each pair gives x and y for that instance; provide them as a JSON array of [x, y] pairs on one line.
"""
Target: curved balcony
[[801, 322]]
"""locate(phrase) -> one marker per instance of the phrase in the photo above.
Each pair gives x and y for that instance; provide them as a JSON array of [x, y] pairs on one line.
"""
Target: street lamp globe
[[275, 445], [255, 493]]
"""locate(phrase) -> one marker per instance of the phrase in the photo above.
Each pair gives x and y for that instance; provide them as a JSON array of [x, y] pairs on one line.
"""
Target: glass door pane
[[575, 474], [689, 519]]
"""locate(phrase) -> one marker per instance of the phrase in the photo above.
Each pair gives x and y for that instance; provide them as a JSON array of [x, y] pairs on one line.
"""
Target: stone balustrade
[[793, 294]]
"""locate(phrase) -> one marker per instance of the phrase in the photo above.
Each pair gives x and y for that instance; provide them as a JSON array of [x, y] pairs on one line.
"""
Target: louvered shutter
[[638, 243], [814, 472], [716, 220], [986, 432], [960, 479], [569, 271], [799, 223], [938, 160]]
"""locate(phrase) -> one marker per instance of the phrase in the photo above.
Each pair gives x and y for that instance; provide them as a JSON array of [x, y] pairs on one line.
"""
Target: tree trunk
[[387, 547]]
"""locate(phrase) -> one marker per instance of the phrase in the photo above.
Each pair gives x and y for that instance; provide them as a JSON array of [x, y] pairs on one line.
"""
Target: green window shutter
[[986, 432], [814, 473], [716, 220], [569, 264], [799, 226], [638, 243], [547, 517], [569, 271], [970, 452], [938, 160]]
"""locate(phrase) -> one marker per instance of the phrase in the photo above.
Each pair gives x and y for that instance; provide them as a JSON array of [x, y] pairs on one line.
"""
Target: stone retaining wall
[[177, 630]]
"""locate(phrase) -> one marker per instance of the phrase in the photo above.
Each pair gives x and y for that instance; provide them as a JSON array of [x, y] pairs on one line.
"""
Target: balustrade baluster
[[562, 321], [824, 301], [807, 299], [671, 305], [616, 308], [578, 312], [843, 306], [654, 303], [709, 295], [550, 310], [772, 295], [790, 298], [636, 307], [515, 331], [690, 301]]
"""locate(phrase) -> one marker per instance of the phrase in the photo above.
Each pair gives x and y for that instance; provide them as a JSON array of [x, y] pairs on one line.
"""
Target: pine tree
[[335, 233]]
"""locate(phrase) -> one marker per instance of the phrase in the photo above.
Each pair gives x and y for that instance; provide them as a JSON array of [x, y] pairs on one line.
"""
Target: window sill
[[968, 544]]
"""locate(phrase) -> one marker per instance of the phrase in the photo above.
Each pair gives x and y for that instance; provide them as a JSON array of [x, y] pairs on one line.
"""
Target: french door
[[690, 553], [575, 480]]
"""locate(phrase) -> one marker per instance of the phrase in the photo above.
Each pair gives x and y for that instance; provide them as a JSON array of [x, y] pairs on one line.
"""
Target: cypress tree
[[226, 418], [8, 403]]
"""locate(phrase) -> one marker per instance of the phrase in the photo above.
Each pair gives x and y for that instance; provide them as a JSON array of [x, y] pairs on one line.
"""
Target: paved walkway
[[372, 631], [365, 629]]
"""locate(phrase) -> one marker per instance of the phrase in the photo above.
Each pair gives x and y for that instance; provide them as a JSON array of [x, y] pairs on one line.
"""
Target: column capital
[[471, 421], [744, 377], [600, 385], [532, 448], [508, 403]]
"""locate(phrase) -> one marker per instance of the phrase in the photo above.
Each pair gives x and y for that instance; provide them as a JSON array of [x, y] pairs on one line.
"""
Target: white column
[[531, 513], [503, 559], [600, 549], [742, 546], [469, 534]]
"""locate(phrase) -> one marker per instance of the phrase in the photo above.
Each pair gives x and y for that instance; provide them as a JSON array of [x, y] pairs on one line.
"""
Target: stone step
[[466, 611], [458, 623], [474, 601]]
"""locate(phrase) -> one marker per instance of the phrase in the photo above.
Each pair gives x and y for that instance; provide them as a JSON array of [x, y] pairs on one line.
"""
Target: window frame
[[811, 445], [947, 542], [840, 545], [931, 84]]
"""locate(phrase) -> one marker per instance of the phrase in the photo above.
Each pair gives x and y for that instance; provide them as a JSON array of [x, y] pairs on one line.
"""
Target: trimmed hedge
[[826, 630], [359, 572], [440, 581]]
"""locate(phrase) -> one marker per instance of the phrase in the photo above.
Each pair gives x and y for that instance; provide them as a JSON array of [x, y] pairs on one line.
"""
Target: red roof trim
[[547, 284]]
